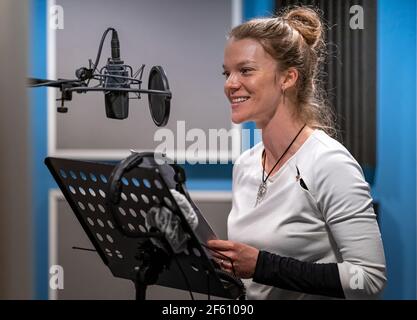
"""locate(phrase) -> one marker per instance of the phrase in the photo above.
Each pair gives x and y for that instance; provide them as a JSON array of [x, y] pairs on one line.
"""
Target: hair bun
[[307, 22]]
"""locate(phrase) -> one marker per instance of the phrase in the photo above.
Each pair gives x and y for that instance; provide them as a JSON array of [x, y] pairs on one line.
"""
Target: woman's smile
[[237, 101]]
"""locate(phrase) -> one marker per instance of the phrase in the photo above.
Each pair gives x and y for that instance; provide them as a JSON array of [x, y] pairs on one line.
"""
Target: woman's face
[[253, 84]]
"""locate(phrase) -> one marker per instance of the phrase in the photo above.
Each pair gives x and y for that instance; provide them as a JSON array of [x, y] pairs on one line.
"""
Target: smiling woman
[[276, 57], [302, 224], [251, 81]]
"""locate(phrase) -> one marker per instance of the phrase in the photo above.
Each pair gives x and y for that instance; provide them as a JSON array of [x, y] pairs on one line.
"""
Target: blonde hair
[[295, 38]]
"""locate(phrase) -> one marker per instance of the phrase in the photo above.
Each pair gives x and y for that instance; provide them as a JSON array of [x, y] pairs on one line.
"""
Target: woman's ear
[[290, 78]]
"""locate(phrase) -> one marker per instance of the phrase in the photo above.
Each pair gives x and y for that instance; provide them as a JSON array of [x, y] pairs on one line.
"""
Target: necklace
[[263, 186]]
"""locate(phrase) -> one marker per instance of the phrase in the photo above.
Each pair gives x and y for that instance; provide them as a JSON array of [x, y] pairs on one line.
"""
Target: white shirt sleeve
[[343, 197]]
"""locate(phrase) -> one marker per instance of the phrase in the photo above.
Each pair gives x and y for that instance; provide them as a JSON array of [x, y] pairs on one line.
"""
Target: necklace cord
[[286, 150]]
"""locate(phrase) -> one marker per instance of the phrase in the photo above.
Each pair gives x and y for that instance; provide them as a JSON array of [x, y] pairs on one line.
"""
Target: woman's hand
[[242, 256]]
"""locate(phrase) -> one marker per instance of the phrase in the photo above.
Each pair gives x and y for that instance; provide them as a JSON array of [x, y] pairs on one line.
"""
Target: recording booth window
[[349, 74]]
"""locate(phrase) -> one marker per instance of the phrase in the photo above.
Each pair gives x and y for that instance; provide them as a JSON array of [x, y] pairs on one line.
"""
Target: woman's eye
[[225, 74], [245, 71]]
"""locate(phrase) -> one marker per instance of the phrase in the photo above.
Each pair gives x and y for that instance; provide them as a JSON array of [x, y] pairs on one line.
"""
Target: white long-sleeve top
[[332, 221]]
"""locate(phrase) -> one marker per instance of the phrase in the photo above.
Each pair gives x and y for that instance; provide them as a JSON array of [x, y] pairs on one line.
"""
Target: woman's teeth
[[240, 99]]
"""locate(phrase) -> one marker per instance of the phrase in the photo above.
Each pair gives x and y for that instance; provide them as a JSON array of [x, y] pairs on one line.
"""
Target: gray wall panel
[[186, 37], [16, 262]]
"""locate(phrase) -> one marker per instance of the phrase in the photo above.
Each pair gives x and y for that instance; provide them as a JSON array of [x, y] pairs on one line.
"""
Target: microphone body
[[115, 46], [117, 103]]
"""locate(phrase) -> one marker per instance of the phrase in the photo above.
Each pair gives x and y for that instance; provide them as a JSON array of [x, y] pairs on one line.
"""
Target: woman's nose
[[232, 82]]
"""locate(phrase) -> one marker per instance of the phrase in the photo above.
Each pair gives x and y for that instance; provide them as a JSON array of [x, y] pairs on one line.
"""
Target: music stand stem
[[140, 287], [151, 264]]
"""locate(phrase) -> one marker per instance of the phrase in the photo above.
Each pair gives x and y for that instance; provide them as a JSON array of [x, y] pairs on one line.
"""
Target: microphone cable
[[100, 48]]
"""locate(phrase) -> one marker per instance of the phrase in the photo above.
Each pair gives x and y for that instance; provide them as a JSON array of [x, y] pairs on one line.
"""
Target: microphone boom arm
[[35, 82], [155, 92]]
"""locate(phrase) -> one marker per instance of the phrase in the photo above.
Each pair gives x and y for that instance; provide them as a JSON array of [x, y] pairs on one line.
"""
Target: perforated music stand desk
[[85, 186]]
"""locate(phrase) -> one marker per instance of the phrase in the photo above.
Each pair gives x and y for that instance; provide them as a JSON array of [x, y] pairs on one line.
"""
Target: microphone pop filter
[[159, 104]]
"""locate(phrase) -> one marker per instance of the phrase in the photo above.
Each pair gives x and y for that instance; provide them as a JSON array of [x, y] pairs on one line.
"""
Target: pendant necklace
[[263, 186]]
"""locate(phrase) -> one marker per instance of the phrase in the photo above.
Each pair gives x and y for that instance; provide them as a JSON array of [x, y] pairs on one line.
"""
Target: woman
[[302, 225]]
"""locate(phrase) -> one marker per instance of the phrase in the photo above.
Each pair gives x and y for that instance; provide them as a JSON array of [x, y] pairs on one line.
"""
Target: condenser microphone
[[116, 80], [116, 102]]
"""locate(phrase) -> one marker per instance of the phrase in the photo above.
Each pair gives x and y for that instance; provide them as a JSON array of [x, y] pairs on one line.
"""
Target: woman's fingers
[[220, 245], [221, 251], [224, 264], [223, 261], [218, 255]]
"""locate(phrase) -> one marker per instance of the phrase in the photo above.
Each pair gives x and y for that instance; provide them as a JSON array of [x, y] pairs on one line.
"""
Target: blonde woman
[[302, 225]]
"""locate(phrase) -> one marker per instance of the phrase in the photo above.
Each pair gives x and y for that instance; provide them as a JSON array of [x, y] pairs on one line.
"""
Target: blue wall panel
[[40, 179], [395, 183]]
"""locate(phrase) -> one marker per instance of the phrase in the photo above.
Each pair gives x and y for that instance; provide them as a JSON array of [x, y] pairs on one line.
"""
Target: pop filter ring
[[158, 70]]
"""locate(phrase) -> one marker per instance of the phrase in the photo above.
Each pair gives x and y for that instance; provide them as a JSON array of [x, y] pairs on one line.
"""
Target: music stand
[[85, 185]]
